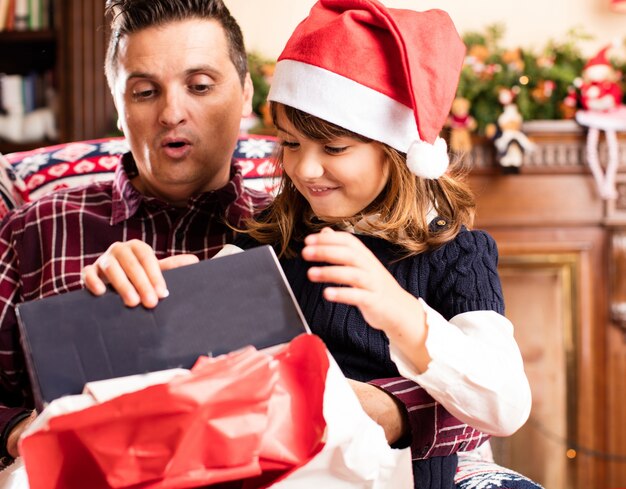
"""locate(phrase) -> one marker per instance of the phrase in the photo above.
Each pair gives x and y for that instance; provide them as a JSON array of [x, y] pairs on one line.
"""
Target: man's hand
[[382, 408], [134, 271], [16, 432]]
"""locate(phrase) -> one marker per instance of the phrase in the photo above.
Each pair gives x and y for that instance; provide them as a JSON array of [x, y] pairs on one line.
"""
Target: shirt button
[[441, 222], [424, 451]]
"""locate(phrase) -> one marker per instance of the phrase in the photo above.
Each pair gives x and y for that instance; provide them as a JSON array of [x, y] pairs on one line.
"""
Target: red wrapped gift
[[249, 415]]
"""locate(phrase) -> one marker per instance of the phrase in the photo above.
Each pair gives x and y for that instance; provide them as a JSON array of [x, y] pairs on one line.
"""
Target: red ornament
[[618, 6]]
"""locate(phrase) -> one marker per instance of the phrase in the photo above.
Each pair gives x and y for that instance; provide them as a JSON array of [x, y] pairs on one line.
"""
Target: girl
[[371, 229]]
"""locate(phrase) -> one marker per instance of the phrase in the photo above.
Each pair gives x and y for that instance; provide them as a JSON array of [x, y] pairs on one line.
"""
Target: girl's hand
[[368, 285], [134, 271]]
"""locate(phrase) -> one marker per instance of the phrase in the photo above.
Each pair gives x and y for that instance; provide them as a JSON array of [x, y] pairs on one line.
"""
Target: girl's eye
[[290, 144], [335, 150]]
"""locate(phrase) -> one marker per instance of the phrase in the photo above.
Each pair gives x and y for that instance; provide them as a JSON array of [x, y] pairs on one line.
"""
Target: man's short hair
[[130, 16]]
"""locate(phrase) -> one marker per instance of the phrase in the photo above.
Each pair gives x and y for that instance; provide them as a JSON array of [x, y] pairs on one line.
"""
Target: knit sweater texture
[[458, 277]]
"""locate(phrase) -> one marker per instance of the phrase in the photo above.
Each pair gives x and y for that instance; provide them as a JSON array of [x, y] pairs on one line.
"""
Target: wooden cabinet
[[554, 234], [74, 49]]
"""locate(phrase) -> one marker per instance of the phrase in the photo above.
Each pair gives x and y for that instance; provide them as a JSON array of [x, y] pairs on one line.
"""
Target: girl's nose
[[309, 165]]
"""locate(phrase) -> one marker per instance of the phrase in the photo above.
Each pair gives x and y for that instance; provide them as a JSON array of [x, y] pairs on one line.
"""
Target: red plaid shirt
[[45, 244]]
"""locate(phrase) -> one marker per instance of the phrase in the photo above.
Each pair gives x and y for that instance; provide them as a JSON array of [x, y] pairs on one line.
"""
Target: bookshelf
[[72, 49]]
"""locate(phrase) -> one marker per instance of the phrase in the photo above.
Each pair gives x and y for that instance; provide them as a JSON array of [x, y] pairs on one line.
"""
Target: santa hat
[[386, 74], [599, 59]]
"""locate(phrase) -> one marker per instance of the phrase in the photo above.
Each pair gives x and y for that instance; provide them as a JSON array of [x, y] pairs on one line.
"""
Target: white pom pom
[[428, 160]]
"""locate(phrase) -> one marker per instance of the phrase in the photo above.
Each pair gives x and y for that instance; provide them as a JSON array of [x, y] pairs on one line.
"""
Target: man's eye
[[143, 94], [335, 150], [289, 144], [200, 88]]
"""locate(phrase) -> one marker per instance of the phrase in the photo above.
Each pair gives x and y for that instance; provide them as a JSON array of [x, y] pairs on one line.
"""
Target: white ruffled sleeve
[[476, 371]]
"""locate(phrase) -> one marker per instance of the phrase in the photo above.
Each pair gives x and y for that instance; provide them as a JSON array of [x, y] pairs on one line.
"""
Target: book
[[12, 94], [10, 20], [215, 306], [21, 21], [34, 15], [4, 14]]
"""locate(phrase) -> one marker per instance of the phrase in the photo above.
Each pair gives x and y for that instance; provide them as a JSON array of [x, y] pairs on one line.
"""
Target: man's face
[[180, 101]]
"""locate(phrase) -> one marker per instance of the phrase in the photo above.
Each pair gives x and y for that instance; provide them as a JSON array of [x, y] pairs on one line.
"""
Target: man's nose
[[173, 110]]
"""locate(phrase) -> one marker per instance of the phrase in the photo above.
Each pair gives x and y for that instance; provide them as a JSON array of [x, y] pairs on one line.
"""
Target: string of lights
[[573, 449]]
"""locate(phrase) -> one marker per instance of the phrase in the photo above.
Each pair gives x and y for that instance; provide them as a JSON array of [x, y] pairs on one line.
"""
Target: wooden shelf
[[30, 50], [23, 37]]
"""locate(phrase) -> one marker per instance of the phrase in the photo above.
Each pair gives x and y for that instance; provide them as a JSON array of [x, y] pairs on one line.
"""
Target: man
[[178, 75], [180, 91]]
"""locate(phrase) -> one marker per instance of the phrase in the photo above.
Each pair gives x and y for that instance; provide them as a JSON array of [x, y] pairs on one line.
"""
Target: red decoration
[[224, 422], [618, 6]]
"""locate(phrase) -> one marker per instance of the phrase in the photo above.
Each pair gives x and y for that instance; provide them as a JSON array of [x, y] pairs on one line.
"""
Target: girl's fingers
[[341, 275], [328, 236], [348, 295], [336, 255]]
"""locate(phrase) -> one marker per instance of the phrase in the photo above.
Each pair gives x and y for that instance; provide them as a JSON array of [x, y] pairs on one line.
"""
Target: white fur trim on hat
[[344, 102], [428, 160]]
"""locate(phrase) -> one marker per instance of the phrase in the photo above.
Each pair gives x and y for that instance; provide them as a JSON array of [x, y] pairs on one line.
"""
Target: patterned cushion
[[474, 473], [9, 197], [27, 175]]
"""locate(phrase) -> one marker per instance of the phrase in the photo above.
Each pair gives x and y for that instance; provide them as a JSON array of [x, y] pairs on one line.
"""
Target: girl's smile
[[338, 178]]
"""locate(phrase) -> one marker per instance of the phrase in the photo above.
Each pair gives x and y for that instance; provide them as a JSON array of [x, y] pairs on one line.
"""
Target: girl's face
[[340, 177]]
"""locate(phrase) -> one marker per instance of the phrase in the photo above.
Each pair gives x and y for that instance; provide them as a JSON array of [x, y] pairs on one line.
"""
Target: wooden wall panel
[[538, 292], [559, 215], [616, 407], [538, 200], [88, 108]]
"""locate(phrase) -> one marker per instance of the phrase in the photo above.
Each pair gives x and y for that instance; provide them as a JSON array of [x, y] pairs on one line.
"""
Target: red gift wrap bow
[[247, 416]]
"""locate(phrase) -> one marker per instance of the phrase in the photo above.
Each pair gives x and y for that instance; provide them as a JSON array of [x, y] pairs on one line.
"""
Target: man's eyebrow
[[203, 68], [190, 71], [139, 74]]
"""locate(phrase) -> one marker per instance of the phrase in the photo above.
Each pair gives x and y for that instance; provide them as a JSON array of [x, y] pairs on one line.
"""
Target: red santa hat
[[386, 74], [600, 59]]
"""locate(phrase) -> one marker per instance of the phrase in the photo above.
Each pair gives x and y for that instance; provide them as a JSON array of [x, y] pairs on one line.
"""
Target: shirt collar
[[127, 200]]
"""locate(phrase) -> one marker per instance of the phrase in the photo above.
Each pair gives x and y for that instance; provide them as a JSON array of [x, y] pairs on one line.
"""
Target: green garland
[[542, 81], [260, 81]]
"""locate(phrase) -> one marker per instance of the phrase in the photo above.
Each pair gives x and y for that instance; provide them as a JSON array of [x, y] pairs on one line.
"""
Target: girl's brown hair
[[401, 208]]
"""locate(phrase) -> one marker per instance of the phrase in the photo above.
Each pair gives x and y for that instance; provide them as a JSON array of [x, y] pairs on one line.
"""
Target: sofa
[[27, 175]]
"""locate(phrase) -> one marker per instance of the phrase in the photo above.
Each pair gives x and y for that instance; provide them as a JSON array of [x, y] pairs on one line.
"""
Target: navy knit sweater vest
[[458, 277]]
